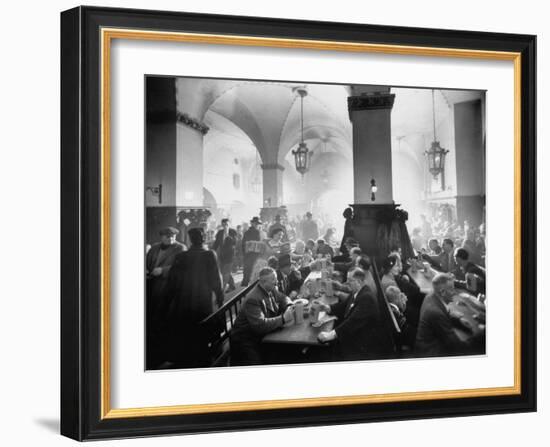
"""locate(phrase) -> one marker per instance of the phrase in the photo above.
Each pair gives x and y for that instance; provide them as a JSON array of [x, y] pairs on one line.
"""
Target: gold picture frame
[[92, 327]]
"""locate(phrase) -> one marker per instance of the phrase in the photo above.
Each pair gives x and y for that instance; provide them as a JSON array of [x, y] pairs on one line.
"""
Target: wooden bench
[[385, 308], [217, 327]]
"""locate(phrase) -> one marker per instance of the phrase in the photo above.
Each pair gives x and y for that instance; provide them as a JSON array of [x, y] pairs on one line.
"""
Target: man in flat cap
[[158, 262]]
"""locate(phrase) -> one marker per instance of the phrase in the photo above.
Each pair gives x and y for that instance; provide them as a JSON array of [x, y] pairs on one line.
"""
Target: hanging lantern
[[302, 158], [302, 155], [436, 154], [436, 159]]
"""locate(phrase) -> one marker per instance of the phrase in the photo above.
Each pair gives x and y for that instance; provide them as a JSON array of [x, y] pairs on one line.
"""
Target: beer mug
[[314, 310]]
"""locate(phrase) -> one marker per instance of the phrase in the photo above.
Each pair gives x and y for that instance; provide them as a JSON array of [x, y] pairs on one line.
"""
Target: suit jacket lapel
[[350, 304]]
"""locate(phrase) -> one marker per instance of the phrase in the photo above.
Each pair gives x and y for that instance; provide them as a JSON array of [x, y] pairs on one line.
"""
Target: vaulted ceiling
[[267, 114]]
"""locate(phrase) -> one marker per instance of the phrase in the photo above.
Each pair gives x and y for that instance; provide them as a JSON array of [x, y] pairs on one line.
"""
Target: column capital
[[193, 123], [272, 166], [370, 101]]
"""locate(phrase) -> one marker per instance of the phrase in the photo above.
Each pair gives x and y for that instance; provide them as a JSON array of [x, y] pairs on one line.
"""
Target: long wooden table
[[303, 333], [423, 280], [473, 315]]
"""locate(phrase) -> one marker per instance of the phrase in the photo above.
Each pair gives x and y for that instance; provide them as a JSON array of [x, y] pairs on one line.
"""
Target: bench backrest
[[383, 302], [217, 326]]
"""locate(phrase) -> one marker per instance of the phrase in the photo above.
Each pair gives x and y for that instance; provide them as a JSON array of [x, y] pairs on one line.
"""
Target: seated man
[[360, 332], [264, 310], [288, 277], [432, 255], [347, 244], [436, 335], [446, 258], [354, 254], [435, 248], [467, 267]]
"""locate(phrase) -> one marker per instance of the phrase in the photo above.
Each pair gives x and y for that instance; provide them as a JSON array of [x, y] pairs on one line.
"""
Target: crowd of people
[[186, 284]]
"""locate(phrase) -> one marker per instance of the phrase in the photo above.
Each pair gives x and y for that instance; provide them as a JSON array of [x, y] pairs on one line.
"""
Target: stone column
[[272, 184], [370, 115], [174, 158], [273, 191], [469, 144], [189, 161], [377, 224]]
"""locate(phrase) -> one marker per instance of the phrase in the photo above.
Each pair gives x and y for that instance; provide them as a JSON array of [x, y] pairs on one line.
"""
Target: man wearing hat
[[288, 278], [158, 262], [251, 254]]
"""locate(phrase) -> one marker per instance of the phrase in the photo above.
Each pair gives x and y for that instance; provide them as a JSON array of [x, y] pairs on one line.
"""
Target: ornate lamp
[[302, 155], [155, 191], [436, 154]]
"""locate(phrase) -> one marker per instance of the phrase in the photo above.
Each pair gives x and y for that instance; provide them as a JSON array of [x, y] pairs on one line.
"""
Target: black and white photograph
[[296, 222]]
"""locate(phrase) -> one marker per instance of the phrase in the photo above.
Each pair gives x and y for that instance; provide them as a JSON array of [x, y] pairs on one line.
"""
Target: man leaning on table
[[264, 310], [360, 332], [436, 335]]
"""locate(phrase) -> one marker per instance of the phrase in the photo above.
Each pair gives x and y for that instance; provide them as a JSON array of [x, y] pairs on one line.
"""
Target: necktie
[[271, 303]]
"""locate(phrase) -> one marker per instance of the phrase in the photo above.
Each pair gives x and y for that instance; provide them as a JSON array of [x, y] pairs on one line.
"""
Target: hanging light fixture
[[325, 176], [436, 154], [302, 155]]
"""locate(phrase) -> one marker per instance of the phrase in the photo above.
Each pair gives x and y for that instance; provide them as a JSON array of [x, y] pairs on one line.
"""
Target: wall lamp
[[373, 189], [156, 191]]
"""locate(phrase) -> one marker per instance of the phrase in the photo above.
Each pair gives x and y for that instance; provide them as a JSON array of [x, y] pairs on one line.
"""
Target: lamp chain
[[433, 113]]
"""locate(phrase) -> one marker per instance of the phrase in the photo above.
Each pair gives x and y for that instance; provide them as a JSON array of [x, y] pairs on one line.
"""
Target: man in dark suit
[[446, 258], [158, 262], [436, 336], [250, 256], [226, 258], [193, 281], [361, 332], [220, 237], [264, 310], [468, 268]]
